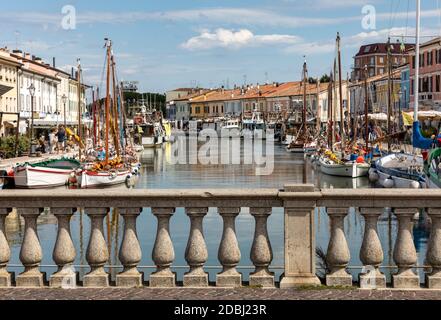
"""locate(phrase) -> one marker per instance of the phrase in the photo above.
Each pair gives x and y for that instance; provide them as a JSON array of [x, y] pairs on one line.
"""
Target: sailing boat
[[107, 171], [401, 170], [335, 163], [301, 142]]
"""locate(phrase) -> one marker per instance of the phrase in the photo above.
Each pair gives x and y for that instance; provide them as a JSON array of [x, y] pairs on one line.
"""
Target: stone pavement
[[216, 294]]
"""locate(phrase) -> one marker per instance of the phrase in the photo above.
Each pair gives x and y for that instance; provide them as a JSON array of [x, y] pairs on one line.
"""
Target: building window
[[437, 85], [381, 59]]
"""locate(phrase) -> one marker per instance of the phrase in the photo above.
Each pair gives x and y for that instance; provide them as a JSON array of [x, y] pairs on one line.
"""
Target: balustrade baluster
[[229, 251], [338, 255], [130, 253], [163, 252], [64, 251], [371, 253], [404, 252], [196, 253], [5, 251], [433, 280], [97, 252], [261, 251], [31, 253]]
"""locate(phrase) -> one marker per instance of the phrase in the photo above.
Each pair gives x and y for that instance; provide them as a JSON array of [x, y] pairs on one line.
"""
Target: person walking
[[52, 141], [61, 135]]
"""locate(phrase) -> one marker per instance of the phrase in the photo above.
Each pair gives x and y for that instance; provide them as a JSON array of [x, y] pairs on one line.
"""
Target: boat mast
[[342, 122], [79, 108], [305, 83], [366, 108], [94, 105], [109, 45], [98, 106], [417, 61], [330, 113], [389, 94], [115, 109], [319, 111]]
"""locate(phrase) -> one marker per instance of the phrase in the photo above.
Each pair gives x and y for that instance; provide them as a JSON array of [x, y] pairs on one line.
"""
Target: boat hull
[[387, 170], [90, 179], [28, 177], [350, 170]]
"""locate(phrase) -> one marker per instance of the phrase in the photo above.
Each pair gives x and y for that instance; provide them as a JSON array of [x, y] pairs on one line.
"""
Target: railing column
[[30, 253], [299, 241], [261, 251], [64, 251], [97, 252], [338, 255], [130, 252], [163, 252], [371, 253], [196, 253], [404, 252], [433, 280], [229, 251], [5, 251]]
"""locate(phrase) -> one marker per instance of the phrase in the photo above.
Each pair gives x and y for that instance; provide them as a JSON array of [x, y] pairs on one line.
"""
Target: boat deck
[[8, 164]]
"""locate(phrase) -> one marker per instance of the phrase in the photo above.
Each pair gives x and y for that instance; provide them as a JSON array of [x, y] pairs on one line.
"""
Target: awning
[[422, 116], [53, 123]]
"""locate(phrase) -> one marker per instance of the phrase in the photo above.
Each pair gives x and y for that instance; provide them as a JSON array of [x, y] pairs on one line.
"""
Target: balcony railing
[[298, 201]]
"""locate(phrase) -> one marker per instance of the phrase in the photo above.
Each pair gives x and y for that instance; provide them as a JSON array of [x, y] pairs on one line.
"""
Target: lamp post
[[64, 99], [32, 93]]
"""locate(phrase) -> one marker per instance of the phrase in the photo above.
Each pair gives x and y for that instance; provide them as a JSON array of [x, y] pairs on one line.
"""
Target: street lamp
[[64, 99], [32, 145]]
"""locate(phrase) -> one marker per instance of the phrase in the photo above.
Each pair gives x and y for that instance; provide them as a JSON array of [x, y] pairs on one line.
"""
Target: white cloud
[[224, 38]]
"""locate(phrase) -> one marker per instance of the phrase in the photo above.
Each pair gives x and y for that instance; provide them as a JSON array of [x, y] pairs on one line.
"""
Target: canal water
[[158, 173]]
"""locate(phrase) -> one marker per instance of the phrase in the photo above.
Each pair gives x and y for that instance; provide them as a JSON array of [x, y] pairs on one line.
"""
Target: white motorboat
[[399, 170], [254, 127], [46, 174], [349, 169], [231, 129]]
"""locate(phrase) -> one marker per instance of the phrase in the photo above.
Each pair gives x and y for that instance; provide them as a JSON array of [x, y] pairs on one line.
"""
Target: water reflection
[[158, 173]]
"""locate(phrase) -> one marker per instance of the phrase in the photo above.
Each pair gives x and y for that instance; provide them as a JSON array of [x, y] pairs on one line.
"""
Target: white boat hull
[[399, 182], [89, 179], [29, 177], [351, 170]]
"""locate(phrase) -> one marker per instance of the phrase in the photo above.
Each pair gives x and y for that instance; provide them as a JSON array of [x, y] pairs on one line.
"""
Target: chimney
[[28, 56], [72, 72], [53, 62], [17, 52]]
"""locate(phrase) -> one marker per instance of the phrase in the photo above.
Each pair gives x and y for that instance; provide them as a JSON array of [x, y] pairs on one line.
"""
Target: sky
[[167, 44]]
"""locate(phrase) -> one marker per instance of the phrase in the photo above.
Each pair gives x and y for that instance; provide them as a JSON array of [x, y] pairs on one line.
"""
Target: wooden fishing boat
[[98, 179], [46, 174], [116, 170], [350, 169]]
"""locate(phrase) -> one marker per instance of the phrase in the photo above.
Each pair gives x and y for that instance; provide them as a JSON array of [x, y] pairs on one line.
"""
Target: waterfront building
[[233, 105], [378, 94], [183, 106], [254, 98], [45, 81], [430, 76], [374, 56], [9, 97]]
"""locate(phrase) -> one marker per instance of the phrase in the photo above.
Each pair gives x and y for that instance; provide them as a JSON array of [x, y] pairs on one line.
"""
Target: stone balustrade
[[299, 203]]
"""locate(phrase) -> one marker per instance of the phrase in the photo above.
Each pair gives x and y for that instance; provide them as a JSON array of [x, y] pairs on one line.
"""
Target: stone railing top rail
[[291, 196]]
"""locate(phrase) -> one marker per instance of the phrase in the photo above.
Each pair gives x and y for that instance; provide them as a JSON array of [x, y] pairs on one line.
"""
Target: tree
[[325, 79]]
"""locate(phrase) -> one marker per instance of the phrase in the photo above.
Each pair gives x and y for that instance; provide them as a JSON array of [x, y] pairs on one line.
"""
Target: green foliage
[[7, 146], [325, 79]]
